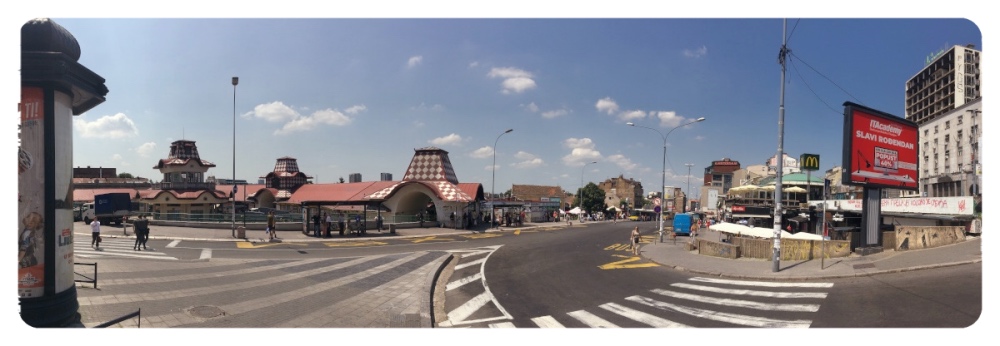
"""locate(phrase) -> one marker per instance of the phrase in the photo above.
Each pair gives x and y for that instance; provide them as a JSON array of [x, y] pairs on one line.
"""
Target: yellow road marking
[[430, 238], [623, 264], [517, 232], [481, 236], [355, 243], [249, 245]]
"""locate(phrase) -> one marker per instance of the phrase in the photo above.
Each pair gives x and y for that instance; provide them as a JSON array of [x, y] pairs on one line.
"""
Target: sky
[[359, 95], [357, 89]]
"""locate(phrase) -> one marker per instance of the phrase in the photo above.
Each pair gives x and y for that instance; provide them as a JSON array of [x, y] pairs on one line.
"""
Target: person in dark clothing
[[141, 232], [316, 220]]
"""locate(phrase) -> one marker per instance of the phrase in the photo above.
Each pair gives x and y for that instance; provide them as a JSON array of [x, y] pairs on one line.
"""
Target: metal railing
[[90, 280], [225, 218], [137, 315]]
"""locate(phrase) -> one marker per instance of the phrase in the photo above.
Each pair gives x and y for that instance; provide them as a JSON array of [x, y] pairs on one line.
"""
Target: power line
[[811, 89], [793, 32], [827, 78]]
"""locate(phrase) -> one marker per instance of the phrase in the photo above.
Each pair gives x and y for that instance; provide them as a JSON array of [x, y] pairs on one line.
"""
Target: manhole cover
[[864, 266], [206, 311]]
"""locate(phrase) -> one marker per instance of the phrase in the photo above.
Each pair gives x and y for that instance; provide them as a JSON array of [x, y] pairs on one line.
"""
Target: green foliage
[[125, 175], [593, 198]]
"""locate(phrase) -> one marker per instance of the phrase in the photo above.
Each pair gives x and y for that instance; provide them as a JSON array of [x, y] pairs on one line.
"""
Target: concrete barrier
[[924, 237], [714, 249]]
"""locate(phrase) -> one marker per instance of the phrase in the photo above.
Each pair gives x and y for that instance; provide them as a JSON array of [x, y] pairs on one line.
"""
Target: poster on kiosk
[[880, 149]]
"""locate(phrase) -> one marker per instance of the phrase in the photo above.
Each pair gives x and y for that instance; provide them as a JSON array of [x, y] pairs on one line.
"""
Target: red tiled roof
[[242, 191], [474, 190], [181, 162], [337, 193], [87, 195], [150, 194]]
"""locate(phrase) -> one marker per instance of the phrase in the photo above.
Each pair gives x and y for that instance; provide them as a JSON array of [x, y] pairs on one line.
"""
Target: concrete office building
[[945, 100]]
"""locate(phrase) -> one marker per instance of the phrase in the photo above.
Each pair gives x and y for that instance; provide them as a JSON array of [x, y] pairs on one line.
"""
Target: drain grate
[[206, 311], [864, 266]]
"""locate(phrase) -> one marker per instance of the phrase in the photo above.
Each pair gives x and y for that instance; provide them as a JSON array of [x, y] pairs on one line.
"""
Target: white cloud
[[356, 109], [323, 117], [582, 151], [532, 107], [452, 139], [533, 163], [668, 118], [414, 61], [491, 167], [515, 80], [522, 155], [698, 138], [273, 112], [145, 149], [622, 162], [473, 64], [632, 115], [482, 153], [554, 113], [423, 107], [116, 157], [696, 53], [607, 105], [108, 126]]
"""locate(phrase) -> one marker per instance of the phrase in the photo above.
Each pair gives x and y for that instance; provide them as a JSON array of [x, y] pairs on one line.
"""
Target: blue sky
[[358, 95]]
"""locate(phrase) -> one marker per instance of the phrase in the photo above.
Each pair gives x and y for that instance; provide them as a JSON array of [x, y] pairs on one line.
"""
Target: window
[[935, 129], [947, 125], [960, 120]]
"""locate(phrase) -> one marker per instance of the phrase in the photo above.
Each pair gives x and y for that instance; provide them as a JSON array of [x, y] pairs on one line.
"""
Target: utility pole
[[782, 56], [688, 193]]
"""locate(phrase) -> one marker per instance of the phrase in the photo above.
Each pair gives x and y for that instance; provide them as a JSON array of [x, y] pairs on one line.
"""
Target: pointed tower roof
[[430, 163]]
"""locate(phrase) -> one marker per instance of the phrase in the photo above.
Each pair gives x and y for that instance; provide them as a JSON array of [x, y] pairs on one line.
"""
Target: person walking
[[340, 224], [316, 220], [270, 226], [95, 233], [141, 232], [635, 241], [329, 224]]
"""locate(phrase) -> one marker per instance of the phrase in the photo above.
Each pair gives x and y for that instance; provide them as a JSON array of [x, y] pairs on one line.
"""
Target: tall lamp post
[[688, 193], [663, 179], [493, 217], [581, 186], [236, 80]]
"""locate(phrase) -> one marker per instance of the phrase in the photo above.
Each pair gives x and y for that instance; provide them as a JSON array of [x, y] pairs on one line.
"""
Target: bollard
[[241, 232]]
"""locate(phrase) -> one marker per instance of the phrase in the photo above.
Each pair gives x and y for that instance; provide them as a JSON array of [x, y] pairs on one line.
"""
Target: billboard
[[880, 149]]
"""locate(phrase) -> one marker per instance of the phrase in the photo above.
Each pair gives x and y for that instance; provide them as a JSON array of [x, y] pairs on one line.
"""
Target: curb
[[816, 277]]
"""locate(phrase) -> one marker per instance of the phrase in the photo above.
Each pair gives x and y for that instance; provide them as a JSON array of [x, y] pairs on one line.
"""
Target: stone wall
[[724, 250], [923, 237]]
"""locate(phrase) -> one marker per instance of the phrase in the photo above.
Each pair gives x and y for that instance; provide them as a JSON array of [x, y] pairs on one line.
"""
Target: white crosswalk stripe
[[116, 247], [687, 301], [475, 296]]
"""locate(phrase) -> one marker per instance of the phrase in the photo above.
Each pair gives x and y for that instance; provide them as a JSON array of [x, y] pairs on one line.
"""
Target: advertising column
[[54, 87]]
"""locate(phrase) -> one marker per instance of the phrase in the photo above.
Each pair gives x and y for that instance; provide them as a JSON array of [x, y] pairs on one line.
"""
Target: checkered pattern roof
[[430, 164]]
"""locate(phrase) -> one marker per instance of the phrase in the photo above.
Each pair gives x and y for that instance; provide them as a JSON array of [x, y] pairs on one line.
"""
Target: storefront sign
[[880, 149]]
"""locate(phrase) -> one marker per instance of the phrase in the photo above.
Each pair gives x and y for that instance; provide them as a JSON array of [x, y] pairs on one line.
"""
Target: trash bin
[[392, 228], [241, 232]]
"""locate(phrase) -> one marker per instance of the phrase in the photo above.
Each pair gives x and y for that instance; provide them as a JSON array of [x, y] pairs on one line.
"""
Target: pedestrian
[[270, 226], [340, 224], [316, 221], [95, 233], [635, 241], [378, 222], [329, 224], [140, 225]]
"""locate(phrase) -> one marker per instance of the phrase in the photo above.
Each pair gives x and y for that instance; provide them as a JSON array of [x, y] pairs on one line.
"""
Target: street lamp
[[581, 186], [663, 179], [688, 187], [494, 183], [236, 80]]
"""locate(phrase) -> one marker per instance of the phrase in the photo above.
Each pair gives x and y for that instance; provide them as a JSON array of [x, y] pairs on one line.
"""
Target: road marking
[[249, 245], [206, 254], [640, 316], [619, 247], [622, 264], [517, 232], [766, 283], [547, 322], [174, 243], [456, 284], [355, 243], [462, 312], [481, 235], [739, 303], [469, 264], [744, 320], [502, 325], [430, 238], [747, 292], [591, 320]]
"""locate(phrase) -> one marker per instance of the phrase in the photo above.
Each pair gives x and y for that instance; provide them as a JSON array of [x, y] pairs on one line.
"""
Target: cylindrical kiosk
[[54, 87]]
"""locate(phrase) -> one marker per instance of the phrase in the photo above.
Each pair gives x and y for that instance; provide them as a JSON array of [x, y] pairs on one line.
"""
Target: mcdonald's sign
[[809, 162]]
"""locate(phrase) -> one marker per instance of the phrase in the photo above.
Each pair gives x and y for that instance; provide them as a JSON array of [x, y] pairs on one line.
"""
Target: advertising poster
[[880, 149], [30, 195]]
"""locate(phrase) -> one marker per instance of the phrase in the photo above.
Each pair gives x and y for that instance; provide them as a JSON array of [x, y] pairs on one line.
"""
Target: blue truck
[[109, 208], [683, 222]]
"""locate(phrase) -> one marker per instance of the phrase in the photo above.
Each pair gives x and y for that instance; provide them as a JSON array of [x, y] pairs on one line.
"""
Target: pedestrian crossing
[[115, 247], [469, 299], [699, 301]]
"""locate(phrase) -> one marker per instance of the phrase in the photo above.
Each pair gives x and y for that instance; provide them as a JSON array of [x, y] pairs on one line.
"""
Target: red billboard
[[880, 149]]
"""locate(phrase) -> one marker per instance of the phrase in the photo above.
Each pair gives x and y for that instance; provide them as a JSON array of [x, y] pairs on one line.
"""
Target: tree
[[341, 180], [593, 198], [125, 175]]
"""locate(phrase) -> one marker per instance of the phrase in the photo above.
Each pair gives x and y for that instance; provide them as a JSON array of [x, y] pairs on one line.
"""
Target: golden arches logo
[[809, 162]]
